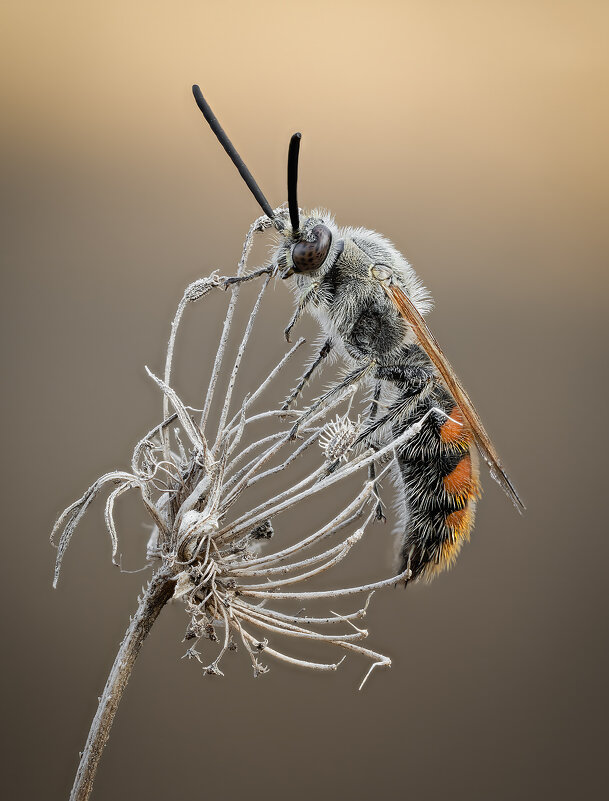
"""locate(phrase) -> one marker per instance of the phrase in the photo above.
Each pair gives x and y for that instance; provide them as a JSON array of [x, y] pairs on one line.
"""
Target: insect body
[[370, 304], [437, 480]]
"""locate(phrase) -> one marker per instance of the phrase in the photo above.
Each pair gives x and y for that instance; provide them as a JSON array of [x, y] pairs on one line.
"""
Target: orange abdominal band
[[455, 431], [459, 482], [460, 522]]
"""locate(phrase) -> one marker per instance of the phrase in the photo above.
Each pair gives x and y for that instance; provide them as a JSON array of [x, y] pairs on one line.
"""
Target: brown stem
[[155, 596]]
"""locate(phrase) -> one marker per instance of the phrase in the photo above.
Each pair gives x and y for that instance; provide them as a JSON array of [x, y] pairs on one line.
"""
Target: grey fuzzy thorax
[[350, 303]]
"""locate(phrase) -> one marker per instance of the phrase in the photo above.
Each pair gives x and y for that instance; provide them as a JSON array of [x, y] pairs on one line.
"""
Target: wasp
[[370, 305]]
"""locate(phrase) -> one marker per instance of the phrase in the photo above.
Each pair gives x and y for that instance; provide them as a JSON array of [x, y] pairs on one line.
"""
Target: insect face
[[311, 250]]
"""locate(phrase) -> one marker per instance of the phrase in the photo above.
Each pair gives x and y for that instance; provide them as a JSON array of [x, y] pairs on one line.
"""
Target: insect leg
[[412, 381], [374, 406], [415, 377], [325, 350], [302, 304], [239, 279], [350, 379]]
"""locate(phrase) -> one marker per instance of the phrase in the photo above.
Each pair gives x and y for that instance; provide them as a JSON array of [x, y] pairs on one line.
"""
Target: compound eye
[[309, 256]]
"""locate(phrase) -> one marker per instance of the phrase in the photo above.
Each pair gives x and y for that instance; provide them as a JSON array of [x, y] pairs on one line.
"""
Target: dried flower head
[[190, 475], [338, 437]]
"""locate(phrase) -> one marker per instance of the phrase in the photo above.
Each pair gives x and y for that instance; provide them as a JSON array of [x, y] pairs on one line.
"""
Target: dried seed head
[[338, 437], [190, 476]]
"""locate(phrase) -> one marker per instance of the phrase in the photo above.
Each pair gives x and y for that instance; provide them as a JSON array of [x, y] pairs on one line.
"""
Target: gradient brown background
[[474, 135]]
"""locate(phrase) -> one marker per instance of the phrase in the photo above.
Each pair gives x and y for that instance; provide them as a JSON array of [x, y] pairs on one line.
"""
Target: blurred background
[[473, 135]]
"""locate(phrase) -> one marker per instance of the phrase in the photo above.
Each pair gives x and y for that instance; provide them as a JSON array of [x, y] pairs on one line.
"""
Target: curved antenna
[[293, 152], [232, 153]]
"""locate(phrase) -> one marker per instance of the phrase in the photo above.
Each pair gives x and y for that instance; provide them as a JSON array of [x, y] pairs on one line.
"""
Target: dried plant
[[189, 476]]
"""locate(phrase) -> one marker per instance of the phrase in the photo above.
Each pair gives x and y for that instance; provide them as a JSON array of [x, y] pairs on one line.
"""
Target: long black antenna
[[232, 153], [293, 152]]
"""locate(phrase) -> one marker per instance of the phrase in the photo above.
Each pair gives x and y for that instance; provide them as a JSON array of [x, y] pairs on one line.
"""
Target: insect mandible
[[370, 304]]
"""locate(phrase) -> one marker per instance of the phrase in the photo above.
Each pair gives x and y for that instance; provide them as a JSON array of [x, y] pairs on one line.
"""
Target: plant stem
[[155, 596]]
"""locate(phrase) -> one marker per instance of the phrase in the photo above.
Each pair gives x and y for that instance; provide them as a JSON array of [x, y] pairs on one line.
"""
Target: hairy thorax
[[350, 303]]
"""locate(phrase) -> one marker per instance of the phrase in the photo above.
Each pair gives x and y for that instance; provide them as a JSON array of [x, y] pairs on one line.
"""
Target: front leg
[[239, 279], [302, 305]]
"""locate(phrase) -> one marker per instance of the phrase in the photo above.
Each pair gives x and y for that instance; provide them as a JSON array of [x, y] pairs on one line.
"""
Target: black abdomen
[[439, 471]]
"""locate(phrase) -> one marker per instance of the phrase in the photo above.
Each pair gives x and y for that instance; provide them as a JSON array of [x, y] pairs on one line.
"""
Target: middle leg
[[379, 512], [323, 353], [349, 380]]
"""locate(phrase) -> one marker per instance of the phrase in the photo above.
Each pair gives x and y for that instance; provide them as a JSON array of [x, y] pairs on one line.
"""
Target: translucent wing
[[430, 344]]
